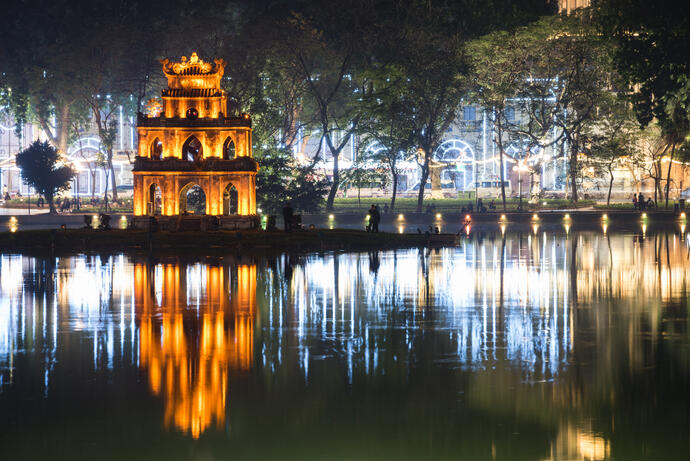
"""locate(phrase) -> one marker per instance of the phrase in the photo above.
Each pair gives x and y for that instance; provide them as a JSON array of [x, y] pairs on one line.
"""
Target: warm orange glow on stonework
[[191, 140], [186, 354]]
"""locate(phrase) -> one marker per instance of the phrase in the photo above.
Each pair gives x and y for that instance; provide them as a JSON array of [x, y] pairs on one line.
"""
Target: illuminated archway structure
[[452, 165], [192, 140]]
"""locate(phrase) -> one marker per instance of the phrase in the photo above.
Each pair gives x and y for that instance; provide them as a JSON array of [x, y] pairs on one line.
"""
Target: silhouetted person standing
[[287, 217], [370, 222], [376, 218]]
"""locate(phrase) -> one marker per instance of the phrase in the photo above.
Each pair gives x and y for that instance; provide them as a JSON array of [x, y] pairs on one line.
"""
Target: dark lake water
[[534, 346]]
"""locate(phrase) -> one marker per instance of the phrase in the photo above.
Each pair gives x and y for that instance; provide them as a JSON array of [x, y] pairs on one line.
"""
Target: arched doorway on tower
[[154, 200], [230, 200], [192, 199]]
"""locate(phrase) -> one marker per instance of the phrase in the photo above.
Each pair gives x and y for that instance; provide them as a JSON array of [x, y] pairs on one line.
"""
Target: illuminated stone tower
[[189, 141]]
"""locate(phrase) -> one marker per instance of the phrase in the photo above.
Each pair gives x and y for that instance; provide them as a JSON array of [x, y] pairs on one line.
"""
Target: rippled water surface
[[518, 347]]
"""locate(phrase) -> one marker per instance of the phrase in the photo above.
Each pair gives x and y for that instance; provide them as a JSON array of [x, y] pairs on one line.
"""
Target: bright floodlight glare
[[401, 216], [503, 217], [567, 216], [330, 216], [438, 215], [644, 215], [605, 216], [468, 217], [535, 216], [682, 215]]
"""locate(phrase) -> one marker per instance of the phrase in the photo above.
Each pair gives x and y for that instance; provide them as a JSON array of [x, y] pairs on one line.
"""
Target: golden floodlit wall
[[190, 140]]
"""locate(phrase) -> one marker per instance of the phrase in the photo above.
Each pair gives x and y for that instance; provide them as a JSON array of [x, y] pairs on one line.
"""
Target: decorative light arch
[[454, 151], [92, 143], [459, 157]]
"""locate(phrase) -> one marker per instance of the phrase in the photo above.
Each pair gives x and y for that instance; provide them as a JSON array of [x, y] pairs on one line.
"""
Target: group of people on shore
[[639, 202]]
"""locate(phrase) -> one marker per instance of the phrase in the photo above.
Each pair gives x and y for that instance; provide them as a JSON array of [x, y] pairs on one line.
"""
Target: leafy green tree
[[326, 49], [651, 58], [500, 64], [569, 74], [272, 179], [426, 50], [307, 189], [42, 168], [361, 174], [386, 123], [279, 181], [611, 139]]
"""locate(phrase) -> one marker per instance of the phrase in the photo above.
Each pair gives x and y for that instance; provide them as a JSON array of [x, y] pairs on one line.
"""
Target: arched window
[[192, 113], [192, 149], [156, 149], [229, 149]]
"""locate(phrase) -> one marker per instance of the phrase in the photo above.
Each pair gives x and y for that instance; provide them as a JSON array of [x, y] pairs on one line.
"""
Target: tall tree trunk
[[572, 171], [336, 182], [51, 203], [422, 183], [657, 180], [395, 190], [113, 183], [62, 128], [608, 198], [668, 174], [499, 143]]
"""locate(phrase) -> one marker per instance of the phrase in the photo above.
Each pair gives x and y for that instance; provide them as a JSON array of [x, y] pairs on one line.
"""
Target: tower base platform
[[195, 223]]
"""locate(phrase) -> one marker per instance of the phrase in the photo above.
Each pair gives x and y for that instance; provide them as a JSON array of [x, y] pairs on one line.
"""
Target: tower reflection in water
[[188, 351]]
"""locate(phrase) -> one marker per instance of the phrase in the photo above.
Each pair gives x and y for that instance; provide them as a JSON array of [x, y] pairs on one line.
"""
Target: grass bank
[[408, 205]]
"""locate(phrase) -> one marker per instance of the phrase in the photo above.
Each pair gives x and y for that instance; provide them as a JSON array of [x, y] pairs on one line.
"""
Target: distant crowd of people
[[639, 202]]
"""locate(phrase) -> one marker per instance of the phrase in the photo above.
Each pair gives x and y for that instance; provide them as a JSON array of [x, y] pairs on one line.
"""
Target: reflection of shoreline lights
[[501, 297], [13, 224]]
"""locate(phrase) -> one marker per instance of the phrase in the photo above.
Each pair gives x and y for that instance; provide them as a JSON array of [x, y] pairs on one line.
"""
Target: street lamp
[[520, 167]]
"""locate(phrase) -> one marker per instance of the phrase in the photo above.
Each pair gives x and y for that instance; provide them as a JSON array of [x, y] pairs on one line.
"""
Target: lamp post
[[520, 167]]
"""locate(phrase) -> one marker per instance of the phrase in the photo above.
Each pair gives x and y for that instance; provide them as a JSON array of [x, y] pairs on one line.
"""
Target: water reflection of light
[[189, 368]]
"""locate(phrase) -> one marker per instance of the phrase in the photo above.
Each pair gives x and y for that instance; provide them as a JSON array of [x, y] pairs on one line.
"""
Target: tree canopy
[[42, 168]]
